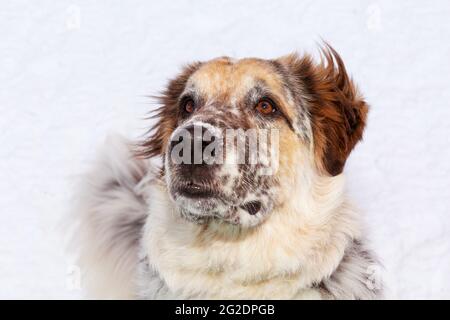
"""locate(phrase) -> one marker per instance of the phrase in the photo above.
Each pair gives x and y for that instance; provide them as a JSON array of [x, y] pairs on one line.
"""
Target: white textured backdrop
[[72, 71]]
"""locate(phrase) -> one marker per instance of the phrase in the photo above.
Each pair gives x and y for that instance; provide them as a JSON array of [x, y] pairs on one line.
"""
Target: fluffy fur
[[109, 213], [306, 242]]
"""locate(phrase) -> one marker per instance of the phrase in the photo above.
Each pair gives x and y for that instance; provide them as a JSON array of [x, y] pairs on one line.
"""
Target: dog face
[[234, 134]]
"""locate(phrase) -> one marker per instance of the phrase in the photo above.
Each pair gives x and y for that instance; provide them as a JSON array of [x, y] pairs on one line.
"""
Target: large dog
[[222, 226]]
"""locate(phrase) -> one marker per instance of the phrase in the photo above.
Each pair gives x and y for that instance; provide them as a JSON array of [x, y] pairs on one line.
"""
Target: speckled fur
[[138, 238]]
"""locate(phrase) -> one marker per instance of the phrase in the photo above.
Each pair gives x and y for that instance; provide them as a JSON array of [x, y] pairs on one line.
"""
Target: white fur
[[110, 199], [301, 244]]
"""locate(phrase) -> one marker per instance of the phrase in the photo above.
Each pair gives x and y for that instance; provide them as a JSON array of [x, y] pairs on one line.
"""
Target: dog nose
[[193, 144]]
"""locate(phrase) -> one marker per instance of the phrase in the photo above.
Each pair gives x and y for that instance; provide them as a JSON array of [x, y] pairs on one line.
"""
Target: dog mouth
[[196, 191], [202, 200]]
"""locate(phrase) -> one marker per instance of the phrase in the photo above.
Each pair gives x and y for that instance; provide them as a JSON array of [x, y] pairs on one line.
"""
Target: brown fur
[[338, 111], [166, 114]]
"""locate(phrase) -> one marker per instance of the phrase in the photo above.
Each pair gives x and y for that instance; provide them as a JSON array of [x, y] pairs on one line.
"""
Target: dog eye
[[189, 106], [265, 107]]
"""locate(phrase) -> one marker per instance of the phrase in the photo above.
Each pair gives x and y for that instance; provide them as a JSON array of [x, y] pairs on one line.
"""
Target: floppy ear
[[338, 112], [166, 115]]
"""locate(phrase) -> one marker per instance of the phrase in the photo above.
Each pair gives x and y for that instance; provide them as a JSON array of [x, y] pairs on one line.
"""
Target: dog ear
[[166, 115], [338, 112]]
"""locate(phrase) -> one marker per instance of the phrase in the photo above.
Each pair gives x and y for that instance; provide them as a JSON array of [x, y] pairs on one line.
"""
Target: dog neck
[[301, 242]]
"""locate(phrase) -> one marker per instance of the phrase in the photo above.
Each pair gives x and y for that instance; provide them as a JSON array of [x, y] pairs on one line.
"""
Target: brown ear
[[166, 115], [338, 112]]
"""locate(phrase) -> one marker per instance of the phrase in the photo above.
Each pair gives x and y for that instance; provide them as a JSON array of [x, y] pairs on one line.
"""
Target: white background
[[73, 71]]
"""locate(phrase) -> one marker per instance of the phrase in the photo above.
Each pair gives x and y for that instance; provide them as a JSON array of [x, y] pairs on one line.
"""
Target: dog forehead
[[230, 81], [234, 78]]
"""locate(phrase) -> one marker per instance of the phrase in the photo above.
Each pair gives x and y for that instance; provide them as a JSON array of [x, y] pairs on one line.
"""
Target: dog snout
[[195, 145]]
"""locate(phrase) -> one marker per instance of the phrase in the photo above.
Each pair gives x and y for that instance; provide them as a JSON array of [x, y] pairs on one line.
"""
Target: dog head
[[235, 133]]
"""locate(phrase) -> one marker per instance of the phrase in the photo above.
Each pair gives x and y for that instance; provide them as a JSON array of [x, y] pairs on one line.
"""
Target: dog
[[217, 228]]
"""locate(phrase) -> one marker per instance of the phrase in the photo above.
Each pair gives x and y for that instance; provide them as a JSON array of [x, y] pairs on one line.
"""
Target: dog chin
[[207, 210], [201, 210]]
